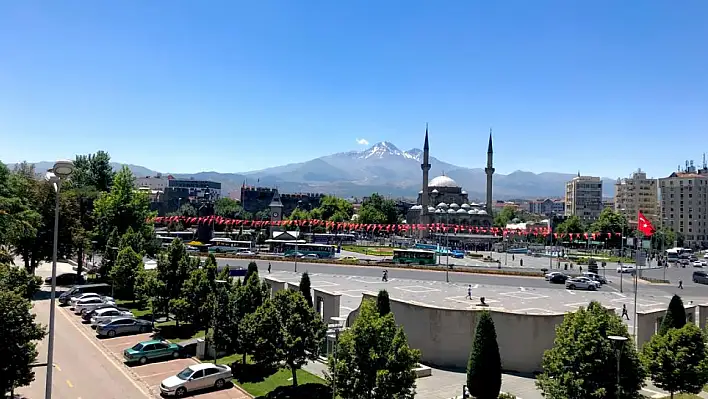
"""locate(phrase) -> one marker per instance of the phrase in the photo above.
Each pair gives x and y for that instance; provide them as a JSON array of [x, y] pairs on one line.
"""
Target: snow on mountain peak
[[386, 149]]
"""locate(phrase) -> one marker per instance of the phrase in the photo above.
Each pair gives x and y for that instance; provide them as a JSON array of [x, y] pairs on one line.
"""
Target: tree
[[306, 288], [185, 210], [252, 269], [571, 225], [484, 375], [120, 209], [265, 331], [610, 222], [299, 214], [333, 209], [383, 304], [302, 330], [173, 269], [18, 351], [125, 273], [377, 209], [677, 360], [577, 365], [373, 358], [13, 278], [251, 295], [675, 315], [229, 208], [505, 216]]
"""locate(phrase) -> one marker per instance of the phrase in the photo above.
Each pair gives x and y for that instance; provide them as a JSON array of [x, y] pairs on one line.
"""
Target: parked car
[[582, 283], [310, 256], [100, 289], [153, 349], [551, 274], [73, 301], [558, 278], [596, 277], [123, 325], [65, 279], [105, 314], [88, 304], [697, 264], [86, 316], [245, 253], [195, 377], [349, 258]]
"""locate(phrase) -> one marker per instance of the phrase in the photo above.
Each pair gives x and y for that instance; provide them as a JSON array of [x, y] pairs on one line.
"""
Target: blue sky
[[603, 87]]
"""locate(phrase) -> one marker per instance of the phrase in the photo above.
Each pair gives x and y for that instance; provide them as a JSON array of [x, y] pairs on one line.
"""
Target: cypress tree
[[382, 303], [305, 288], [484, 368], [675, 315], [252, 268]]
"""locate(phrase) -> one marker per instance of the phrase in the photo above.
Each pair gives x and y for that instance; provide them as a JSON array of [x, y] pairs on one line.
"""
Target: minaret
[[425, 167], [489, 170]]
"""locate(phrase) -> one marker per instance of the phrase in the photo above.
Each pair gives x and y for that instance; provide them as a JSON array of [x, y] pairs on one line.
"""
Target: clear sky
[[599, 86]]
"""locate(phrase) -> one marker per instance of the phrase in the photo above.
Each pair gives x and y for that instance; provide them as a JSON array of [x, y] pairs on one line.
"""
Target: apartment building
[[583, 197], [684, 204], [547, 207], [637, 193]]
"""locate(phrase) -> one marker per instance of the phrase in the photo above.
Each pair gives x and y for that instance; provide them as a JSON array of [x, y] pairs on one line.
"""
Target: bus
[[331, 238], [227, 245], [414, 256], [321, 250]]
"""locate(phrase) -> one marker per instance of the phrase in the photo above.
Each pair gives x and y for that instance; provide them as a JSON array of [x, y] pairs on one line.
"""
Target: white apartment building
[[583, 197], [637, 193], [684, 205]]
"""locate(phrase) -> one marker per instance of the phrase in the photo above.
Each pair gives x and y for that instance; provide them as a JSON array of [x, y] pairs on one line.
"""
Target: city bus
[[321, 250], [227, 245], [331, 238], [414, 256]]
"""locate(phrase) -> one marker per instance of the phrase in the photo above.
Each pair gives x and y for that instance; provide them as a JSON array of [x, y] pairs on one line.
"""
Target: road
[[674, 274], [82, 370]]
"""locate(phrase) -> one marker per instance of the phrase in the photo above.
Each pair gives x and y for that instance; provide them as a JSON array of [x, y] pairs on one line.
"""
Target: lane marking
[[69, 384], [56, 366], [110, 359], [570, 292], [620, 294]]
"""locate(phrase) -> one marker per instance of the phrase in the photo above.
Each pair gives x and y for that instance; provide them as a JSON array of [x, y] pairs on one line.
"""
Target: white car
[[246, 253], [705, 255], [89, 304], [106, 314], [626, 269], [196, 377], [582, 283], [74, 299], [551, 274]]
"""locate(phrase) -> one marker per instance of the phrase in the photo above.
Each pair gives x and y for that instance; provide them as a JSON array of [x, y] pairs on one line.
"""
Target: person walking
[[624, 311], [680, 284], [469, 292], [268, 267], [385, 276]]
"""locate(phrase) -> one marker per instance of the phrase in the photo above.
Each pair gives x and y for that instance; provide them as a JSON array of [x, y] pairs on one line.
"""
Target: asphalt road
[[674, 274], [81, 369]]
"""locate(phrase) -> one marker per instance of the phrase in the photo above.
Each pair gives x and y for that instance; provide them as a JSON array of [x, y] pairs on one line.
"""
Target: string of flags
[[387, 228]]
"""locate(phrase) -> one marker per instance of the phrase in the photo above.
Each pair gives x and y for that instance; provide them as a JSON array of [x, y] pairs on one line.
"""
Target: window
[[210, 371], [198, 374], [148, 348]]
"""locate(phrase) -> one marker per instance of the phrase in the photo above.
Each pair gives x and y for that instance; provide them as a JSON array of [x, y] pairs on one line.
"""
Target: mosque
[[442, 200]]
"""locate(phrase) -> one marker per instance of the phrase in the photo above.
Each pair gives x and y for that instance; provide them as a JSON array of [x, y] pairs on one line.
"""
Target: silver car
[[106, 314], [74, 299], [196, 377], [88, 304], [123, 325]]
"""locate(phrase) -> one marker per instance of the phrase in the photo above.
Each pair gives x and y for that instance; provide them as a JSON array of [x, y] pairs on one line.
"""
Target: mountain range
[[382, 168]]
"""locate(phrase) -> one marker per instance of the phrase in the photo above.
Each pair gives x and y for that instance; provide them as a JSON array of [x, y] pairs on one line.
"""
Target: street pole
[[620, 261], [52, 303], [296, 252], [334, 355]]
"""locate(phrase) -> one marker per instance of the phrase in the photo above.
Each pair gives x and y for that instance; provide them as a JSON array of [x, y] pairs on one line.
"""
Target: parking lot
[[152, 373]]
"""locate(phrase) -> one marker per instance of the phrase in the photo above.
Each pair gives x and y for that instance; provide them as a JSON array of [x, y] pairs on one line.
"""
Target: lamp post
[[216, 303], [61, 171], [617, 342], [338, 321]]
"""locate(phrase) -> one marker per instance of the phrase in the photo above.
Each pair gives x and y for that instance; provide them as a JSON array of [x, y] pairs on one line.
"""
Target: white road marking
[[475, 286], [119, 367], [522, 288], [620, 294], [523, 295], [346, 293], [576, 304], [417, 289], [535, 310], [570, 292], [656, 394]]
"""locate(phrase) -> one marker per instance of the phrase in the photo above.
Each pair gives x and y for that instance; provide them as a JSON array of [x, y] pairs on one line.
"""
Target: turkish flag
[[644, 225]]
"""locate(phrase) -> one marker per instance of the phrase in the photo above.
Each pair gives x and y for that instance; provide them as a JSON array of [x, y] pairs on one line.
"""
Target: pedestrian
[[469, 291], [268, 267], [512, 257], [680, 284], [521, 262], [385, 276], [624, 311]]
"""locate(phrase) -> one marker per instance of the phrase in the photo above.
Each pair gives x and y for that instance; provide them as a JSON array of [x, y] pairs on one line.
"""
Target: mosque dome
[[416, 207], [431, 209], [442, 205], [465, 206], [443, 181], [461, 211], [454, 206], [463, 192], [439, 211], [482, 212], [450, 211], [472, 211], [435, 191]]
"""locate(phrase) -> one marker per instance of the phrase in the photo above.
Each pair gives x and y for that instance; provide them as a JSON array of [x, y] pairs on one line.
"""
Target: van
[[700, 277], [101, 289]]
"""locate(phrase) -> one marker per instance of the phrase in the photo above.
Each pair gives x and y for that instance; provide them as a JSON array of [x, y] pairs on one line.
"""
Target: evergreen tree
[[677, 360], [577, 365], [675, 315], [382, 303], [125, 273], [484, 368], [305, 288], [252, 269]]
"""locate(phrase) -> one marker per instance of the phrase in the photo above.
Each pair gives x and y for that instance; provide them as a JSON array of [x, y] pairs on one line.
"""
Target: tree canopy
[[675, 316], [484, 369], [378, 210]]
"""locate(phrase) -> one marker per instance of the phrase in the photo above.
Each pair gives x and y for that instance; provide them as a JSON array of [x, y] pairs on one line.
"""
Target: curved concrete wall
[[444, 336]]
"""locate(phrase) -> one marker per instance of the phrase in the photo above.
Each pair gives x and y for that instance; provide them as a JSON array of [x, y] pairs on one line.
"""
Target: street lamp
[[61, 171], [216, 302], [338, 326], [617, 342]]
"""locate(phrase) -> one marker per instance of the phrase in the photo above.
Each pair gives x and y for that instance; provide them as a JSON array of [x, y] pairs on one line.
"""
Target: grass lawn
[[273, 383], [381, 251]]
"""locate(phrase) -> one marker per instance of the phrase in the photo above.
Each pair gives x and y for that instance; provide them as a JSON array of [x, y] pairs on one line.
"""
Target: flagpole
[[636, 289]]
